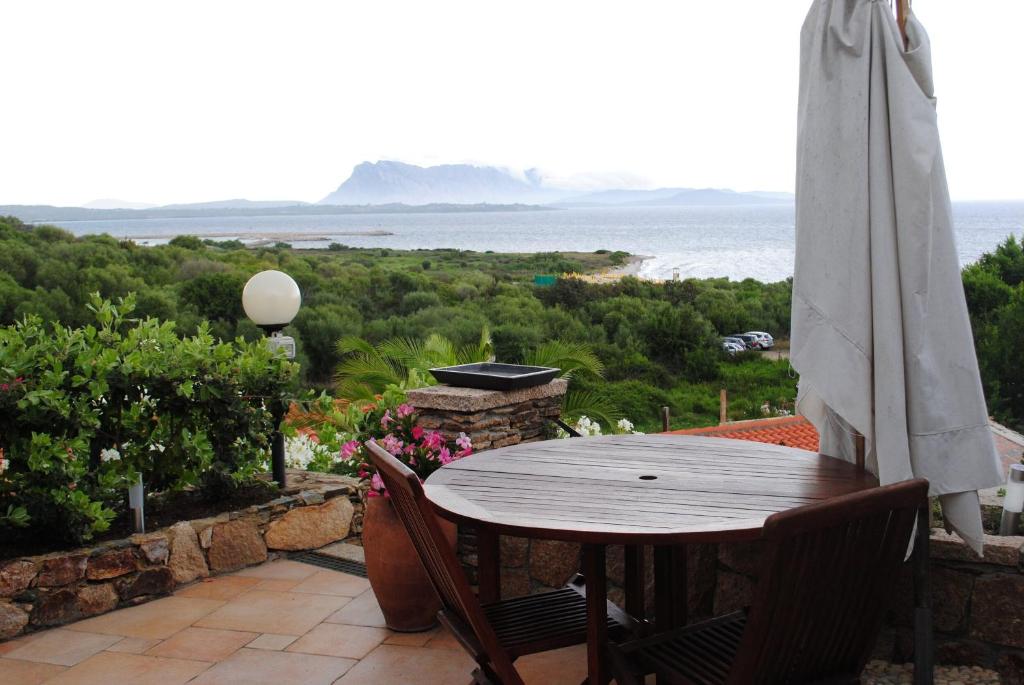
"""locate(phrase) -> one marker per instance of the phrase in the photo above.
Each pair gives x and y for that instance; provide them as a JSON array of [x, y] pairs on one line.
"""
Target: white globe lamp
[[271, 299]]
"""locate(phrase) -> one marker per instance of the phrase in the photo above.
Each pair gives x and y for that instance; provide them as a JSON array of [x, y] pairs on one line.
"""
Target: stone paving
[[282, 622], [285, 622]]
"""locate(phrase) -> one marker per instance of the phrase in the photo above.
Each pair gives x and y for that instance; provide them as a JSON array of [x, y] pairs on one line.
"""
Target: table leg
[[488, 565], [635, 581], [597, 614], [669, 587]]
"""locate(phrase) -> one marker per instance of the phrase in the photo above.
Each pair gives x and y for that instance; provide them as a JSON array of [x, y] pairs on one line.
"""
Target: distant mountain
[[385, 182], [671, 197], [231, 204], [112, 203]]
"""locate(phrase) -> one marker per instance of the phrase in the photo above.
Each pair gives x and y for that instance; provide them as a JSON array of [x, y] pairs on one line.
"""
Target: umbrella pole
[[902, 12], [924, 648]]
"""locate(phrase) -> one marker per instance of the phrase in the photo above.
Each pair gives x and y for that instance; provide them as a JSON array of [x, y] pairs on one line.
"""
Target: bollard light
[[1013, 503], [271, 299]]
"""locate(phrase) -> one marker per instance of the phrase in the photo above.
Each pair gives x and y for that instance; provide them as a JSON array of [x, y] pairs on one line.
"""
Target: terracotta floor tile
[[260, 667], [272, 641], [361, 611], [133, 645], [224, 587], [14, 672], [410, 665], [259, 611], [559, 667], [353, 642], [14, 644], [156, 620], [63, 647], [333, 583], [444, 640], [412, 639], [282, 569], [202, 644], [110, 668], [275, 585]]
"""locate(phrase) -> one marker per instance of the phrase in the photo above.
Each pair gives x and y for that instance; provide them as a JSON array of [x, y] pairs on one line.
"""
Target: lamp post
[[1013, 502], [271, 299]]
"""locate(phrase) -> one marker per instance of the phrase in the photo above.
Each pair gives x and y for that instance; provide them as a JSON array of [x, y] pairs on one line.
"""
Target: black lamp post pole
[[277, 446]]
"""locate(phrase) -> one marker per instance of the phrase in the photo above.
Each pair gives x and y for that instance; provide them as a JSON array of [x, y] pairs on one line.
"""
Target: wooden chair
[[493, 634], [826, 576]]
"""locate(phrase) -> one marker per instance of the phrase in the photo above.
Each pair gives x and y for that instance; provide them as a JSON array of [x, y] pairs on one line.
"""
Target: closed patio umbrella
[[880, 333]]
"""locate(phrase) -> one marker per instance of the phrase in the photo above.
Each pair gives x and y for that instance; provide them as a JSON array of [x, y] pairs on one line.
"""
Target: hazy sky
[[190, 101]]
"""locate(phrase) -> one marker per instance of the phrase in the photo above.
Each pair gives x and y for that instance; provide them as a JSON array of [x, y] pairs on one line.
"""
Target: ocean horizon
[[752, 241]]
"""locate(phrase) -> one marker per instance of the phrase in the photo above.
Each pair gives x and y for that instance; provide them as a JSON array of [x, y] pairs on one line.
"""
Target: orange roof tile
[[791, 431]]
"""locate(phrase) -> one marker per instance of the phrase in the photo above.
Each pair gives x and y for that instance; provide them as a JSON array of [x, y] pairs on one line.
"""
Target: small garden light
[[271, 299], [1013, 503]]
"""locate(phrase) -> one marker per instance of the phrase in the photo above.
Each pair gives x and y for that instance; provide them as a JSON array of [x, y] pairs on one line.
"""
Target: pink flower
[[444, 456], [433, 440], [349, 448], [377, 487], [392, 444], [410, 448], [464, 443], [417, 432], [386, 419], [405, 410]]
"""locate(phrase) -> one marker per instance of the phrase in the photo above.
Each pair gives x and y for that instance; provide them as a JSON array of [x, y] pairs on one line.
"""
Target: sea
[[753, 241]]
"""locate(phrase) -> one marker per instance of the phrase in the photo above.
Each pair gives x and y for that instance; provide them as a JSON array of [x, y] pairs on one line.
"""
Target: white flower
[[624, 425], [109, 454], [585, 426], [156, 447], [301, 450]]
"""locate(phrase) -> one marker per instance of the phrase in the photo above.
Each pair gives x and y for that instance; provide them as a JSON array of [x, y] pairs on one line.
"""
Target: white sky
[[192, 101]]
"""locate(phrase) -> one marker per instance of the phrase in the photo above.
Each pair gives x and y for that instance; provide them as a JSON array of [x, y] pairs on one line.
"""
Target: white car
[[767, 341]]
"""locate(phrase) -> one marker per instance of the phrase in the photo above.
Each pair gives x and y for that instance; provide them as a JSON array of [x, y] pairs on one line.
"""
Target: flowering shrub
[[392, 424], [84, 411], [586, 426]]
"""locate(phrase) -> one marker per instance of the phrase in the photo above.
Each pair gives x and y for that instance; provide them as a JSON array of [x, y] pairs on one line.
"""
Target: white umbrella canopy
[[880, 333]]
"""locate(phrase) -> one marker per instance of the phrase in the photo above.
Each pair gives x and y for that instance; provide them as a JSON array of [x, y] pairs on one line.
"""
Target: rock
[[186, 560], [515, 582], [997, 609], [97, 599], [206, 537], [235, 545], [62, 570], [15, 576], [513, 550], [111, 564], [742, 557], [154, 581], [734, 592], [56, 608], [959, 652], [154, 548], [12, 620], [311, 527], [553, 562], [1011, 667], [702, 579]]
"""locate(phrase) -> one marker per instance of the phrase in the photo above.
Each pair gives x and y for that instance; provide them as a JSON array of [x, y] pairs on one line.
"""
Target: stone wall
[[491, 418], [54, 589]]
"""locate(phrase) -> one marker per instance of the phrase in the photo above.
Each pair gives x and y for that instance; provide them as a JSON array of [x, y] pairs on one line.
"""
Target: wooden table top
[[637, 488]]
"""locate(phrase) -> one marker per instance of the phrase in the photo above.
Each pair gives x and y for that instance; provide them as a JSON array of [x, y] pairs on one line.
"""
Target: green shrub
[[84, 410]]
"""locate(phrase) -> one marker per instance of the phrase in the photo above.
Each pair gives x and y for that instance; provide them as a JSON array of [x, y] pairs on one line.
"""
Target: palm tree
[[367, 370]]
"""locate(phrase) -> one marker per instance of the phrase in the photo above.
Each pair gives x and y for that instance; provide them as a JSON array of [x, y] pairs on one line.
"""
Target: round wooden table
[[662, 490]]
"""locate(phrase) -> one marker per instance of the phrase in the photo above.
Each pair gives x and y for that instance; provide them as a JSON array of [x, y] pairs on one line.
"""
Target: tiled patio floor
[[283, 622]]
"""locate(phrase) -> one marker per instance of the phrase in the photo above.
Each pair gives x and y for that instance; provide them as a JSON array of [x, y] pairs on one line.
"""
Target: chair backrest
[[828, 572], [439, 561]]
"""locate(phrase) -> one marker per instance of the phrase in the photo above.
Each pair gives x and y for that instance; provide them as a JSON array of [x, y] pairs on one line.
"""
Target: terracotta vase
[[403, 590]]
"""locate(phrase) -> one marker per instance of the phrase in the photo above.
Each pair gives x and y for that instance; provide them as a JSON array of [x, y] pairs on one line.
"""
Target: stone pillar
[[491, 418]]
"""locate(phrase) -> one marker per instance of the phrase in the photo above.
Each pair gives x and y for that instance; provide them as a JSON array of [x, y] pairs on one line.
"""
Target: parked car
[[767, 341], [752, 342], [733, 346]]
